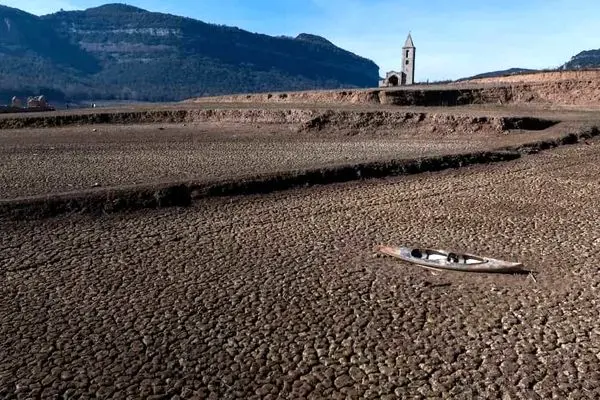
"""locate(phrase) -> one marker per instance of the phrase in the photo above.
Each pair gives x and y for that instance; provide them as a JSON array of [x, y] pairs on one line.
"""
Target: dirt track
[[280, 295]]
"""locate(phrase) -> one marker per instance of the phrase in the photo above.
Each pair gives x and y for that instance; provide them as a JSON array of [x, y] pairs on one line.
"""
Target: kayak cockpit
[[438, 255]]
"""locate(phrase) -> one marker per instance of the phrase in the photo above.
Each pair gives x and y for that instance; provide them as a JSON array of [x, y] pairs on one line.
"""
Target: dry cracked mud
[[281, 296], [40, 161]]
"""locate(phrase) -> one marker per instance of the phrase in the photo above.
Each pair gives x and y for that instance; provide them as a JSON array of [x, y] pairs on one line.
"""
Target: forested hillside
[[126, 53]]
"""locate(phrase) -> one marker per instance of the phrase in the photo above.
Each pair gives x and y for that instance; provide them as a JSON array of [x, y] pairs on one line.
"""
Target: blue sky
[[454, 38]]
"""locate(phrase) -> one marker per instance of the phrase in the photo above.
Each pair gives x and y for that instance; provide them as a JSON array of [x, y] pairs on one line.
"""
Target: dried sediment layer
[[70, 159], [561, 88], [182, 194], [281, 297], [410, 96], [161, 116], [420, 123], [354, 96], [308, 119], [580, 88], [559, 92], [585, 93], [461, 97]]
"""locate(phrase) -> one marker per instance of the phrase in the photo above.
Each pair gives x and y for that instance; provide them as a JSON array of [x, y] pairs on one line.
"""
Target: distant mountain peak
[[307, 37], [498, 74], [9, 11], [585, 59], [115, 8]]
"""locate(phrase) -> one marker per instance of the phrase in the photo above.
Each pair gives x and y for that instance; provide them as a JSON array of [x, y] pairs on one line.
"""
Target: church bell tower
[[408, 61]]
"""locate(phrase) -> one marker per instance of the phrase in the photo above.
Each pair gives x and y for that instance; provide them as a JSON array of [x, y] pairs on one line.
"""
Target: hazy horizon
[[453, 39]]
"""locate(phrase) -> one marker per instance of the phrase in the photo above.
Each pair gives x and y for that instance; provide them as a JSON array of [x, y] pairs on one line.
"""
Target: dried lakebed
[[245, 170], [40, 161], [280, 295]]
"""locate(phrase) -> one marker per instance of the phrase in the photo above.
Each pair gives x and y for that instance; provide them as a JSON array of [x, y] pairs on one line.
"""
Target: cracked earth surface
[[281, 296], [70, 159], [58, 160]]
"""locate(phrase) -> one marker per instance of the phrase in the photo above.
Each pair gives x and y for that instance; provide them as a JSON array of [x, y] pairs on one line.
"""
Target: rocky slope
[[122, 52], [585, 59]]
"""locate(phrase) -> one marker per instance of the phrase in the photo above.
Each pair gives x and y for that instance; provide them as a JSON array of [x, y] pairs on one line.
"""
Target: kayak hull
[[449, 261]]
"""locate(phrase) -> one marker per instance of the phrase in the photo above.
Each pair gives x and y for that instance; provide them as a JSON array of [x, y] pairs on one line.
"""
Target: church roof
[[409, 41]]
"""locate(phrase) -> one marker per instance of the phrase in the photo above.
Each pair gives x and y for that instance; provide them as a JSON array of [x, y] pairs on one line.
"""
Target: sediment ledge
[[183, 193], [341, 120], [307, 119], [560, 87], [571, 138]]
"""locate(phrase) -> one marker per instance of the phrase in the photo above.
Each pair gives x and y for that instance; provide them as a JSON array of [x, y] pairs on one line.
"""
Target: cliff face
[[122, 52]]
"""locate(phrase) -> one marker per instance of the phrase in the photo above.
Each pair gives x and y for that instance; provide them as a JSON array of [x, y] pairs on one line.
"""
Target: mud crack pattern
[[281, 295]]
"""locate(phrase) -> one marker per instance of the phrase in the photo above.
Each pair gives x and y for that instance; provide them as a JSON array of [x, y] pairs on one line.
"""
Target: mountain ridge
[[499, 73], [583, 60], [127, 53]]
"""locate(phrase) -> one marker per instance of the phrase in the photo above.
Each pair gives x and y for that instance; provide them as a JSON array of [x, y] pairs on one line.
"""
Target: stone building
[[37, 102], [407, 75], [15, 102]]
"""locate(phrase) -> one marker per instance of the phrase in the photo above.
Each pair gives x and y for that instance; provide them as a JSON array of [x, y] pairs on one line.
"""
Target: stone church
[[407, 75]]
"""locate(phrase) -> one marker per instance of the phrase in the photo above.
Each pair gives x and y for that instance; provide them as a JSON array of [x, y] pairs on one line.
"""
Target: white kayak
[[444, 260]]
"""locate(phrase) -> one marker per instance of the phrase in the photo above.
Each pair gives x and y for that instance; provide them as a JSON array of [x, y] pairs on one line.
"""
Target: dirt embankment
[[413, 96], [160, 117], [581, 88], [355, 96], [419, 123], [565, 93], [349, 122]]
